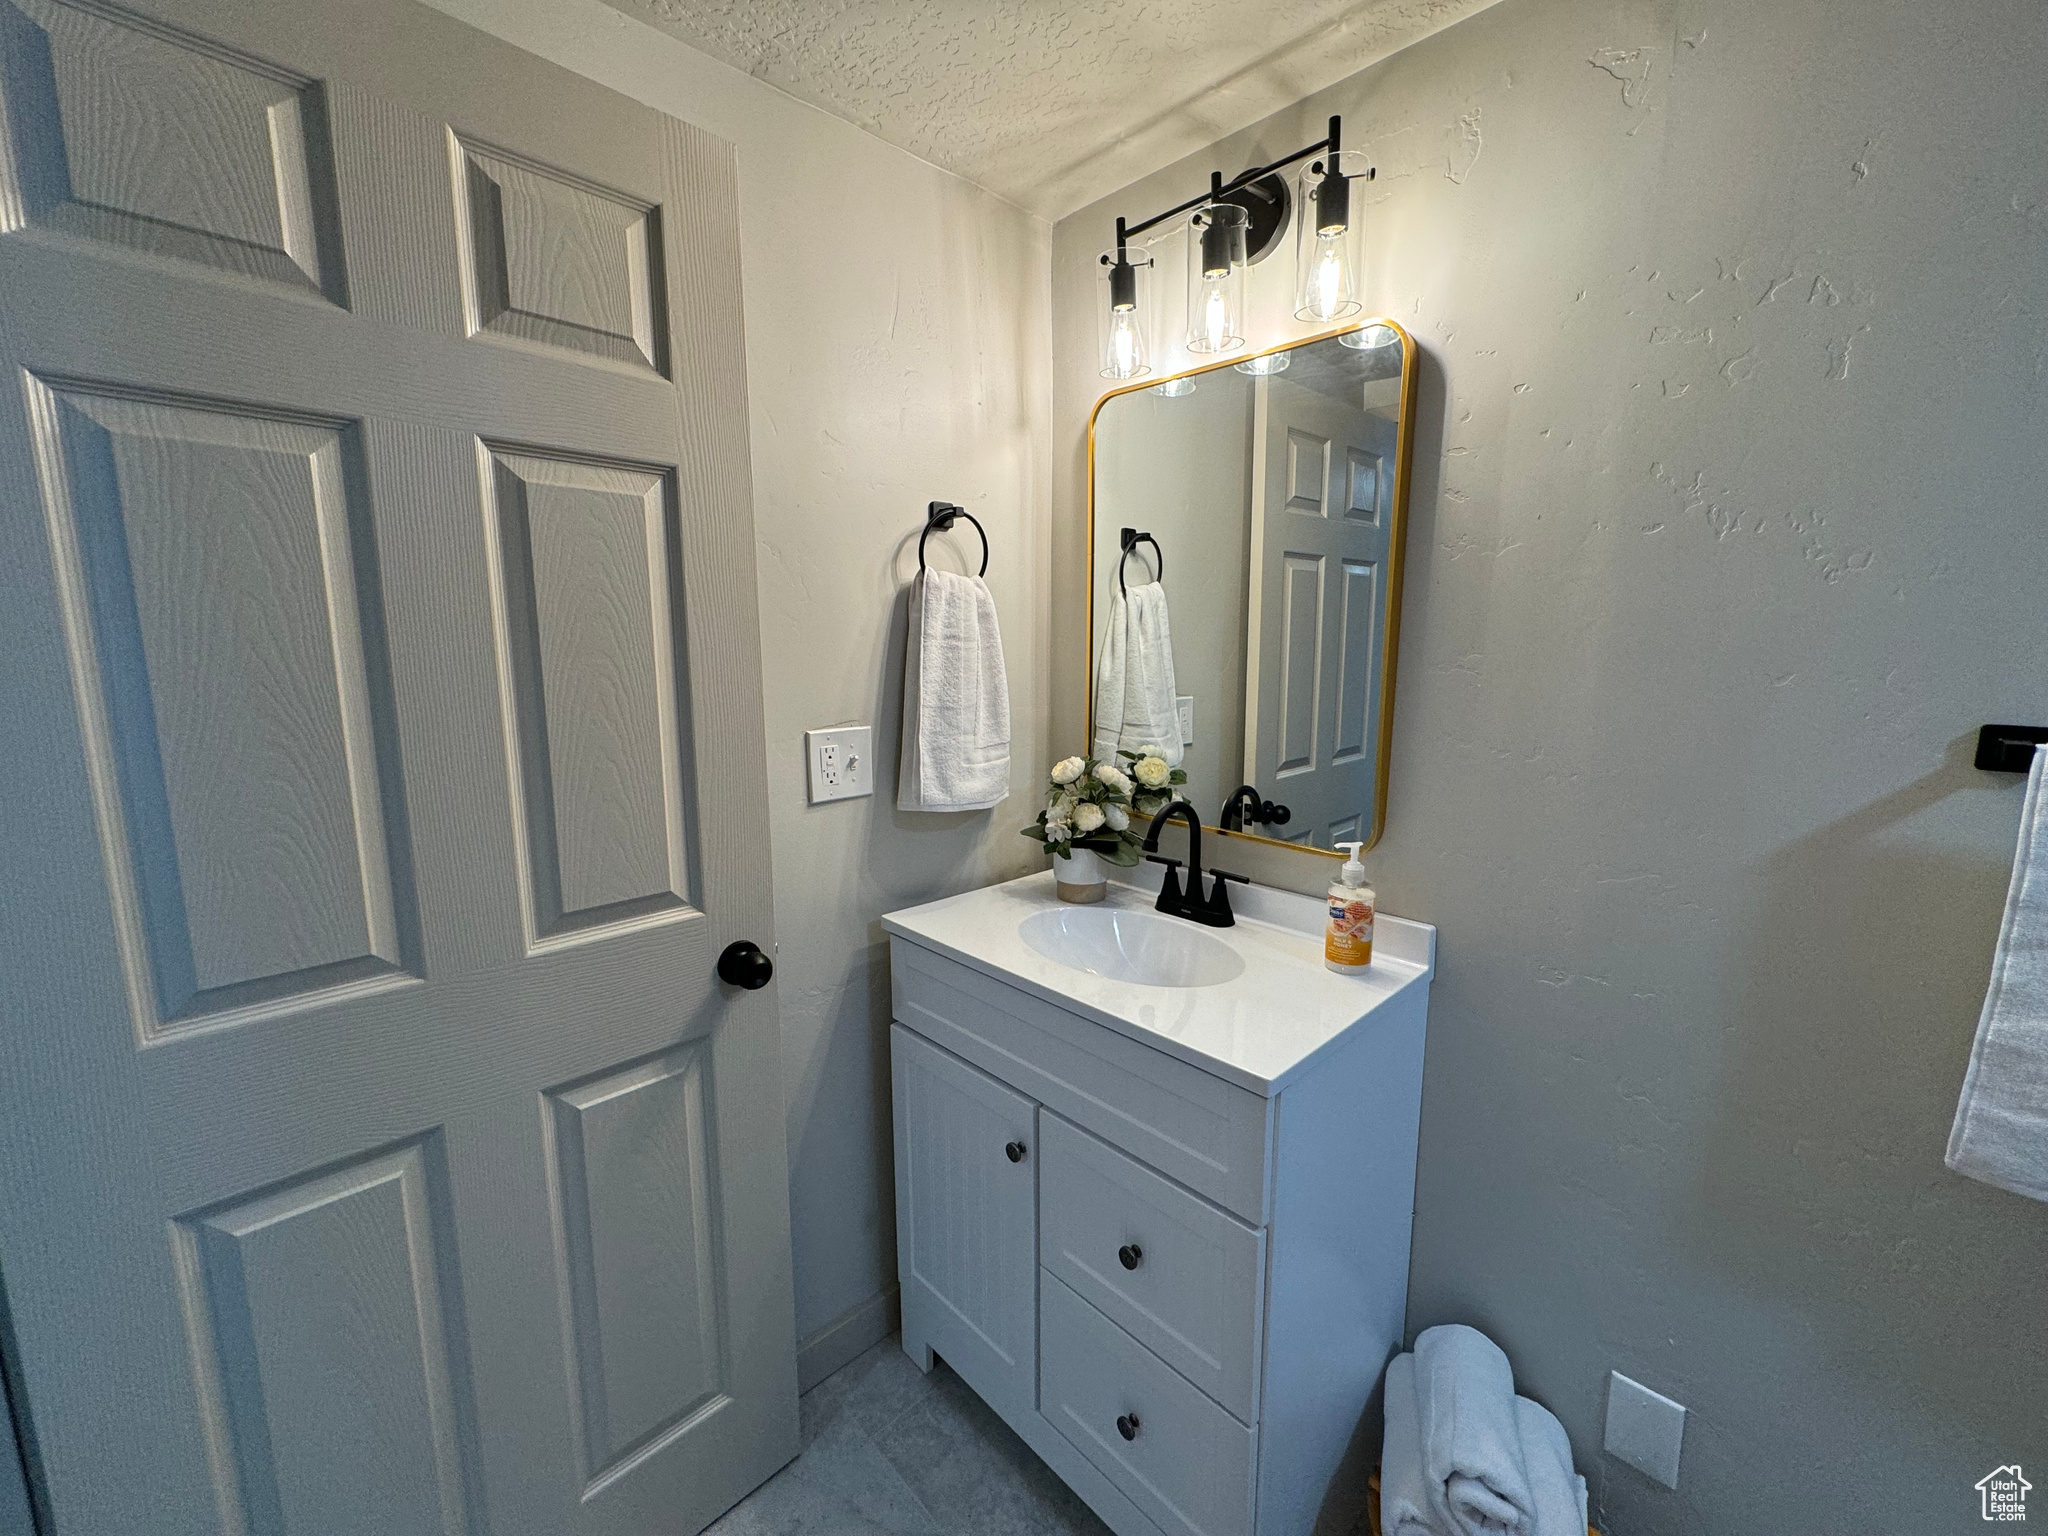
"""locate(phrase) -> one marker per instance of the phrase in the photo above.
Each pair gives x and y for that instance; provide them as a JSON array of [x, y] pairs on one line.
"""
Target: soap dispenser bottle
[[1347, 942]]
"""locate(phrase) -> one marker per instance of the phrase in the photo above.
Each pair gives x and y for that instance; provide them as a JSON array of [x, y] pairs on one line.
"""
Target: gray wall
[[1727, 532], [896, 354]]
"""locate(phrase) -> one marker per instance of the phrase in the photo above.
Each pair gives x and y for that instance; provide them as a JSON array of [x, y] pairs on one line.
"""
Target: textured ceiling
[[1050, 103]]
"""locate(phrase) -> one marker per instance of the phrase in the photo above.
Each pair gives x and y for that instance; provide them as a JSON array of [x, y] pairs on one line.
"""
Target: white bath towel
[[1471, 1445], [956, 698], [2001, 1128], [1135, 706], [1557, 1494], [1405, 1504]]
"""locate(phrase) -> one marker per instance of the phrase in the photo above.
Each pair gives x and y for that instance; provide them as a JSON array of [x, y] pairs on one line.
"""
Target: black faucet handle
[[1219, 913], [1170, 899]]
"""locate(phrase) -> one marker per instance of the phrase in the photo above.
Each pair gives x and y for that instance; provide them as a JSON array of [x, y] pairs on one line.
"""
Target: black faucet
[[1213, 912], [1245, 804]]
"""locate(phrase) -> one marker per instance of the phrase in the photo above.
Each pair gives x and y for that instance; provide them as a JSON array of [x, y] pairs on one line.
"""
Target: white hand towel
[[1135, 706], [1471, 1447], [1557, 1493], [2001, 1129], [1405, 1505], [956, 698]]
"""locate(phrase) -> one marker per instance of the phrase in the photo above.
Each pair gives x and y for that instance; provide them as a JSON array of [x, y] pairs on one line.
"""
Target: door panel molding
[[219, 583], [294, 1297]]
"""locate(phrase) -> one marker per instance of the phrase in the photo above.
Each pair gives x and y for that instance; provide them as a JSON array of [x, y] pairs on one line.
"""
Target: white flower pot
[[1080, 877]]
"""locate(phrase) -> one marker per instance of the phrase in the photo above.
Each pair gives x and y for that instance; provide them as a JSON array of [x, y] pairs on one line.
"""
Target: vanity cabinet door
[[966, 1220]]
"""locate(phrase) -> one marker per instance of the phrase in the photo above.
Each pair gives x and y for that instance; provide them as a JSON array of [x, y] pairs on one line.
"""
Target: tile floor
[[890, 1452]]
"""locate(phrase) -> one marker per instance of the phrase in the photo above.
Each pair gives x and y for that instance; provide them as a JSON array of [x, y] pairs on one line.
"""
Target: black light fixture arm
[[1220, 189]]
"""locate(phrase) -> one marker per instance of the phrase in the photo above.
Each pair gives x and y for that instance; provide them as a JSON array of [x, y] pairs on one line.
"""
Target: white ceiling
[[1050, 103]]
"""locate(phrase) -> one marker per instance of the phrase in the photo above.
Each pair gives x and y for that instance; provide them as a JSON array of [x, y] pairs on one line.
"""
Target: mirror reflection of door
[[1317, 602], [1272, 487]]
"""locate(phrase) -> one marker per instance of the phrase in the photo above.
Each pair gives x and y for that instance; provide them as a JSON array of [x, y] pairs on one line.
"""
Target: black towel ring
[[1132, 539], [940, 515]]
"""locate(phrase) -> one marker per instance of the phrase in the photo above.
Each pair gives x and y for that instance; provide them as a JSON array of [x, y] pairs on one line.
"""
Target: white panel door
[[383, 760], [1322, 499], [967, 1220]]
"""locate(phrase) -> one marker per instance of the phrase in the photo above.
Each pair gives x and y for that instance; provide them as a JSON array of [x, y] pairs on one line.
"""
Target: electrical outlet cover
[[1644, 1428], [839, 763], [1184, 706]]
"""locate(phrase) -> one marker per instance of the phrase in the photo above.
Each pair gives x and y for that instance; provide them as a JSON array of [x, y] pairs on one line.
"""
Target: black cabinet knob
[[1015, 1151], [744, 965], [1130, 1255], [1127, 1425]]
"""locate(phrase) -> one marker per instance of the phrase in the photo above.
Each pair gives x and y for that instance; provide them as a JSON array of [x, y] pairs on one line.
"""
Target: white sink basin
[[1140, 947]]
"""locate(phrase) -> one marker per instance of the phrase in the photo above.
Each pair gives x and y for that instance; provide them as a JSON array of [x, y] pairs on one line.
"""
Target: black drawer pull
[[1130, 1255], [1127, 1425], [1014, 1151]]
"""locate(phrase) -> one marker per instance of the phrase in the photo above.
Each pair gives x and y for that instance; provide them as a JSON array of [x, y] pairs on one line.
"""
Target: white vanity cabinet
[[1163, 1232]]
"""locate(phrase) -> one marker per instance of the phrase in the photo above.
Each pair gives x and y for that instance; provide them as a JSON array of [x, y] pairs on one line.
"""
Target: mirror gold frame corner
[[1404, 454]]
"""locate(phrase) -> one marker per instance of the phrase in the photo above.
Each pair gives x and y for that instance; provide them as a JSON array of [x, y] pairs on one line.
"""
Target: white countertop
[[1258, 1030]]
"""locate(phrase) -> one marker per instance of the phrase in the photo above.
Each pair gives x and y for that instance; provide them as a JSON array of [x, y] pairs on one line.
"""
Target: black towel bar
[[1132, 538], [940, 515], [2009, 748]]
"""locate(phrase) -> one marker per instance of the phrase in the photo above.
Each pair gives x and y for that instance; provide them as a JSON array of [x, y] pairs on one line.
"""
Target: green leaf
[[1037, 832]]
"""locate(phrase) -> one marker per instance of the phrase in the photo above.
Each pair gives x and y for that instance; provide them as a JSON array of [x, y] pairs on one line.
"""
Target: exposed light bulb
[[1216, 319], [1122, 359], [1327, 277], [1123, 340]]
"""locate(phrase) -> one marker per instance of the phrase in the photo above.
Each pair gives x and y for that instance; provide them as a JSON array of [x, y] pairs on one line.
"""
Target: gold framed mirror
[[1247, 522]]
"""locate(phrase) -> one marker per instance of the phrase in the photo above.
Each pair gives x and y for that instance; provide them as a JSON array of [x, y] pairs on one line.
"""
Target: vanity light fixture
[[1233, 224], [1216, 262], [1326, 240], [1174, 388], [1123, 343]]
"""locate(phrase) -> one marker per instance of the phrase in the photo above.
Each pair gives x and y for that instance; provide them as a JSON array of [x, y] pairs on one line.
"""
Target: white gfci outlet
[[1184, 706], [840, 763], [1644, 1428]]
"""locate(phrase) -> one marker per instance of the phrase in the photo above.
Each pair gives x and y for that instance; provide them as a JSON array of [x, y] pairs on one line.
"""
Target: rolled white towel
[[1471, 1445], [1557, 1492], [1405, 1506]]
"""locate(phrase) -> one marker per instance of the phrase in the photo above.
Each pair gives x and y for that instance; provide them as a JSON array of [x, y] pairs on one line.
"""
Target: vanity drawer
[[1187, 1464], [1209, 1134], [1183, 1277]]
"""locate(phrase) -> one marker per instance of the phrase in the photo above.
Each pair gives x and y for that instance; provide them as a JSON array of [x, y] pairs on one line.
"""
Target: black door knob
[[1014, 1151], [1130, 1255], [1127, 1425], [744, 965]]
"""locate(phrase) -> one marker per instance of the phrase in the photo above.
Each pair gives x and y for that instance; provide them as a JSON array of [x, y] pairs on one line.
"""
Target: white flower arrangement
[[1092, 805]]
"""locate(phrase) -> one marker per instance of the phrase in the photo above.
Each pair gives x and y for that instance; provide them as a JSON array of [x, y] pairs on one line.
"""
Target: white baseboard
[[858, 1329]]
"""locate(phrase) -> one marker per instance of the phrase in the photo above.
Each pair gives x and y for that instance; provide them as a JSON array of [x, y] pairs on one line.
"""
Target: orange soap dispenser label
[[1349, 939]]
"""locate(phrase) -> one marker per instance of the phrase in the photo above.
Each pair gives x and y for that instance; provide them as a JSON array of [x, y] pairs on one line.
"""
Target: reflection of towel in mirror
[[956, 698], [1134, 690]]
